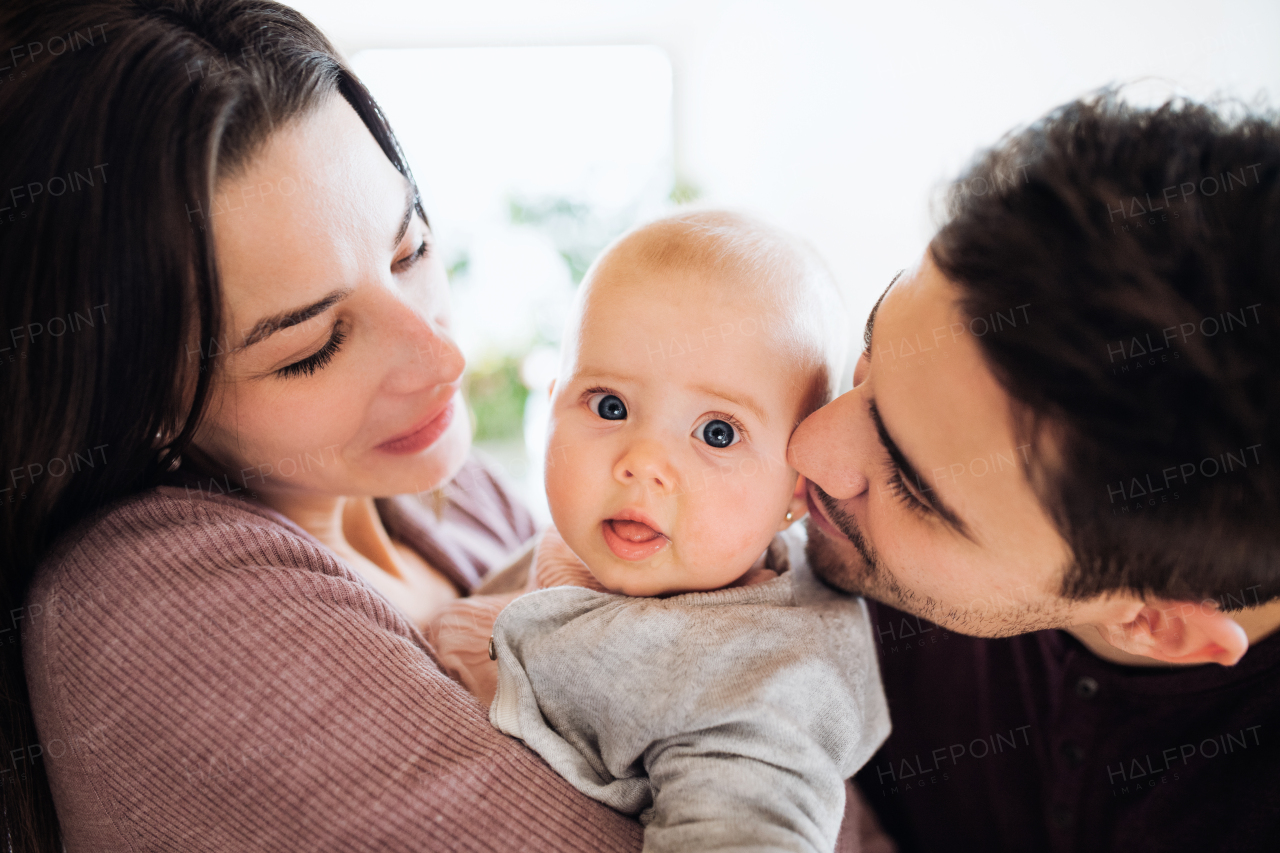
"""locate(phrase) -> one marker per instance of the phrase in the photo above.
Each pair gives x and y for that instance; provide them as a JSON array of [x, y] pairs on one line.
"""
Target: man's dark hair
[[1147, 244]]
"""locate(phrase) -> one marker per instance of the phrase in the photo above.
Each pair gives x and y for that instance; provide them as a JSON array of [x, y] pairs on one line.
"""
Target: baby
[[698, 675]]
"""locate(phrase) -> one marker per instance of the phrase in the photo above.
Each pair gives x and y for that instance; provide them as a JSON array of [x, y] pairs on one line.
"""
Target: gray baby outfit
[[729, 719]]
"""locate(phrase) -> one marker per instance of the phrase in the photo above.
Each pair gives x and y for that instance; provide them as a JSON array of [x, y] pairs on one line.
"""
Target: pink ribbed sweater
[[205, 675]]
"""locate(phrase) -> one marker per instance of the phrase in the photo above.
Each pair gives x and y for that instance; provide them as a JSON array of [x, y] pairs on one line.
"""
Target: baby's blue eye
[[718, 434], [608, 407]]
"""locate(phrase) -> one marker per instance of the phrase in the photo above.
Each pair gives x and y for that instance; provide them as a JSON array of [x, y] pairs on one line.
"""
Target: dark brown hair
[[118, 118], [1145, 247]]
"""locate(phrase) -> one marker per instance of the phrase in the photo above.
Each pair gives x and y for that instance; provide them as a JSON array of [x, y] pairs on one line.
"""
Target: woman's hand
[[460, 632], [554, 564]]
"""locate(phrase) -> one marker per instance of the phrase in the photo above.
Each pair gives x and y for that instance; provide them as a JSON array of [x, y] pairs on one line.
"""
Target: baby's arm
[[750, 786]]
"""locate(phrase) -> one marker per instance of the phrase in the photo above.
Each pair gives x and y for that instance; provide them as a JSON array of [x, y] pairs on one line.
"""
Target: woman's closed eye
[[407, 262], [319, 358]]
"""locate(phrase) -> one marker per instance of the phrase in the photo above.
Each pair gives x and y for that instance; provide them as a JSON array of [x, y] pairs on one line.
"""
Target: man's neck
[[1258, 624]]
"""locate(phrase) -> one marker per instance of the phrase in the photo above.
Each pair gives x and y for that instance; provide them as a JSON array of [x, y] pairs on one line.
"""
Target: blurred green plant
[[577, 231], [458, 267], [497, 396], [684, 192]]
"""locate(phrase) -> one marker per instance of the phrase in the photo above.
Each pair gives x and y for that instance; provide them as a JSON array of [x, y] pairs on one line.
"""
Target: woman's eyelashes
[[321, 357], [318, 359], [418, 254]]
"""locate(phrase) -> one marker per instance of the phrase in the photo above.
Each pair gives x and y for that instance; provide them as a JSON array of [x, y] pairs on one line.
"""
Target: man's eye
[[607, 406], [718, 433], [898, 489]]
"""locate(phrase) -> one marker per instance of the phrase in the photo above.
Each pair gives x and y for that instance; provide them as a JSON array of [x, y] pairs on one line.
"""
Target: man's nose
[[830, 447], [646, 463]]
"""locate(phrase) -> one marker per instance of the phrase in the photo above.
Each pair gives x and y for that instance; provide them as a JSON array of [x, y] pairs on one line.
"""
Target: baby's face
[[666, 461]]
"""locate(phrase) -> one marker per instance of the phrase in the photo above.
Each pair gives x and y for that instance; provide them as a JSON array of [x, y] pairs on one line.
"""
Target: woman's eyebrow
[[411, 196], [268, 326]]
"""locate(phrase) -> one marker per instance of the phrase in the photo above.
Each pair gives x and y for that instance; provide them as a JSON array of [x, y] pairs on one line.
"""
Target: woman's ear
[[798, 506], [1180, 632]]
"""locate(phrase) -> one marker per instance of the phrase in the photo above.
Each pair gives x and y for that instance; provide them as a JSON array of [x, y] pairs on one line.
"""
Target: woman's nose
[[647, 464], [437, 349], [429, 354], [830, 447]]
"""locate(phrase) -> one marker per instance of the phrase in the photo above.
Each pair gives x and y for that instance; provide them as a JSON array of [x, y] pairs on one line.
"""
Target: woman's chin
[[433, 467]]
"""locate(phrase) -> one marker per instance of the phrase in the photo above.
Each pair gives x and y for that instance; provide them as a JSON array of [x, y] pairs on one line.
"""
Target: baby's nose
[[646, 463]]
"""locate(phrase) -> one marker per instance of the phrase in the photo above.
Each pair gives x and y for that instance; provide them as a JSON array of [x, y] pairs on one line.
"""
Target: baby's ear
[[551, 389], [797, 507]]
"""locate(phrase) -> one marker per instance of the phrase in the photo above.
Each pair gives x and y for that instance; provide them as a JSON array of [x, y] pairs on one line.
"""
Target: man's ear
[[1180, 632], [798, 506]]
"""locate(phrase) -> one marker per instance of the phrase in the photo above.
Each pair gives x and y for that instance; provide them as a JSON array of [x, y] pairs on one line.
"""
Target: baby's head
[[696, 345]]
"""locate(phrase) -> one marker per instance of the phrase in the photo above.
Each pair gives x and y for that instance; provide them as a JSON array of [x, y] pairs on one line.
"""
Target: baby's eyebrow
[[739, 399]]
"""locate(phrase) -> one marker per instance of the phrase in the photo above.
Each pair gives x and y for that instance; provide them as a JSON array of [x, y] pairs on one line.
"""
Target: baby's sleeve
[[765, 770]]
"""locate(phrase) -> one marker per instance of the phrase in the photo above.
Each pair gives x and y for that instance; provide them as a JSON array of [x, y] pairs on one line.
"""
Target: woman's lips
[[632, 540], [818, 513], [425, 435]]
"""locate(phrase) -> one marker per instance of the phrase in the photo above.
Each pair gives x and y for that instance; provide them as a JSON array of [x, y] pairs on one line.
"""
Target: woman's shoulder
[[154, 529], [165, 561]]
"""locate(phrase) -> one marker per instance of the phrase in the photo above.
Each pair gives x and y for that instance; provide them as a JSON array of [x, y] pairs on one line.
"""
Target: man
[[1056, 475]]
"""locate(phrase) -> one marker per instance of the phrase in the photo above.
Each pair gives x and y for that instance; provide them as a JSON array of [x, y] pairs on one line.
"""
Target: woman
[[228, 338]]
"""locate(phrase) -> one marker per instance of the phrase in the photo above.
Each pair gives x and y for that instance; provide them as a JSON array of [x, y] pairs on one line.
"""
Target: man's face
[[918, 487]]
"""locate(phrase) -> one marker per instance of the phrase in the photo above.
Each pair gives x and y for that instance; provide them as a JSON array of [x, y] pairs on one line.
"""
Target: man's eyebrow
[[738, 399], [946, 513], [268, 326], [871, 318]]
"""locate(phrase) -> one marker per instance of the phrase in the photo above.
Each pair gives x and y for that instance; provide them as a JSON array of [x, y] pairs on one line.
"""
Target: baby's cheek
[[722, 532], [741, 513], [573, 484]]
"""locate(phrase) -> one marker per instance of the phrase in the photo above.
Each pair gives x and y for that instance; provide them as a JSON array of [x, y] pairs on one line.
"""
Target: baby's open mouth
[[631, 540], [633, 531]]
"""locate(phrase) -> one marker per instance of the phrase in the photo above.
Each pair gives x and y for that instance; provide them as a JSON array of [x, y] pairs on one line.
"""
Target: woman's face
[[335, 374]]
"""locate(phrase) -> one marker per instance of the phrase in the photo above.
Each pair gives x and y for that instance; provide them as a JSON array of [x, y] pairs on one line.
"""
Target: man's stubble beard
[[865, 573]]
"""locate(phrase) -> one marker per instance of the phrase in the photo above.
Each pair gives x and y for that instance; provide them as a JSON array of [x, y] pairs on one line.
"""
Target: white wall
[[838, 120]]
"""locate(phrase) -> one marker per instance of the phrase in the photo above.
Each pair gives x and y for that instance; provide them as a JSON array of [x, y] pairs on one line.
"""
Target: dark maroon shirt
[[1033, 743]]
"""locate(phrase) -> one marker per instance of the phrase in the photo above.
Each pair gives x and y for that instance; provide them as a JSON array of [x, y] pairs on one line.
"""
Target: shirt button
[[1060, 816], [1073, 752], [1086, 687], [493, 650]]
